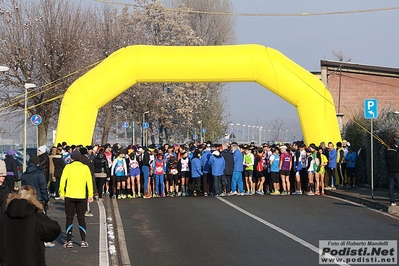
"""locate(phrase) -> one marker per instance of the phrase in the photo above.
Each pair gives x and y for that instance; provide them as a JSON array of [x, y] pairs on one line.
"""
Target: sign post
[[371, 112], [36, 120], [203, 131]]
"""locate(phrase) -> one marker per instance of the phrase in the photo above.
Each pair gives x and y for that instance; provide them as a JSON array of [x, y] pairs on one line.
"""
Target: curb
[[394, 210]]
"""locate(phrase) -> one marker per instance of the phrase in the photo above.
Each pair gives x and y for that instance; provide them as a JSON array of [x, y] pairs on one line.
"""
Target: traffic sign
[[125, 124], [204, 130], [370, 108], [36, 120], [145, 125], [195, 137]]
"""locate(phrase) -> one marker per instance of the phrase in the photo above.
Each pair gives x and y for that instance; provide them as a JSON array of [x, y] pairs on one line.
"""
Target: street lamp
[[27, 86], [4, 68], [286, 136], [237, 132], [248, 133], [144, 142], [253, 133], [243, 137], [200, 123]]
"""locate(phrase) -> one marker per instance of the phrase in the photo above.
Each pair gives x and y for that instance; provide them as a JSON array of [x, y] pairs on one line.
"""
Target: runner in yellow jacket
[[76, 188]]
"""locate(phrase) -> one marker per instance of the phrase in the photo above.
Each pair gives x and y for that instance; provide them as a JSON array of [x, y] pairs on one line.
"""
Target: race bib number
[[173, 171]]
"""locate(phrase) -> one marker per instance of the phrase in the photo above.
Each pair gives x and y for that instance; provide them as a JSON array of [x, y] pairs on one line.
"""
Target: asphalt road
[[244, 230]]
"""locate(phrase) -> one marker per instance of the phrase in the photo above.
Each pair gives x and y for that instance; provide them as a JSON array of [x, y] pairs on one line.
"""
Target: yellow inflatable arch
[[236, 63]]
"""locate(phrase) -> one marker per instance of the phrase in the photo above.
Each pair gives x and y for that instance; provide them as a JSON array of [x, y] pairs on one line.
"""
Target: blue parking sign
[[370, 108]]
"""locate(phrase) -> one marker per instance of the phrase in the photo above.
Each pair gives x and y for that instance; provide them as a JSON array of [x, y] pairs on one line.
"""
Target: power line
[[238, 14]]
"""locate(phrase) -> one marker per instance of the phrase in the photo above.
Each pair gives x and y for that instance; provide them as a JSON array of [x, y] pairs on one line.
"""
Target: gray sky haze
[[367, 38]]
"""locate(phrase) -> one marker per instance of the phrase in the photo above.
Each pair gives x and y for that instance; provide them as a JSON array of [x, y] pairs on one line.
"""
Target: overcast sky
[[368, 38]]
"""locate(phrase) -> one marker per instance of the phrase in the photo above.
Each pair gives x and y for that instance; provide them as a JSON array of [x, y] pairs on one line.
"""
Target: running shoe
[[123, 196], [267, 192], [284, 193], [275, 193], [172, 195], [222, 194], [168, 194], [394, 204], [300, 192], [84, 244], [119, 197], [195, 193], [232, 193], [88, 214], [130, 196], [68, 244], [163, 195], [113, 197], [250, 193], [154, 195], [147, 196], [49, 244], [327, 188], [205, 194], [57, 198], [310, 193], [333, 188], [241, 194]]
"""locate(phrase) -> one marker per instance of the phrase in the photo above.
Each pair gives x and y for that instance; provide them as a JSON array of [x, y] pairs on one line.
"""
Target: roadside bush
[[357, 132]]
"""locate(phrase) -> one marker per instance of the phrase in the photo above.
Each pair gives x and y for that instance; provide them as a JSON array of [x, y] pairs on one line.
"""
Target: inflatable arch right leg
[[236, 63]]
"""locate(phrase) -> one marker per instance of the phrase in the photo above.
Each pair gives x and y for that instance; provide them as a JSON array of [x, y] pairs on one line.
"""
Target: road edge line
[[124, 255], [103, 239]]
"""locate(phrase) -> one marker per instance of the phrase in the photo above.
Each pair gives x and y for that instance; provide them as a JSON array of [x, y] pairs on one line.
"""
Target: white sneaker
[[49, 245], [310, 193], [394, 204], [232, 193]]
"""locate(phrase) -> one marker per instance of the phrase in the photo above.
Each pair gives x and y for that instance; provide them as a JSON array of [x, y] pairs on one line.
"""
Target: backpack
[[259, 165]]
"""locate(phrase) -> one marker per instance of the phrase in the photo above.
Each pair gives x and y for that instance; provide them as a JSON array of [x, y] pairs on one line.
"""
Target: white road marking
[[121, 235], [103, 245], [276, 228]]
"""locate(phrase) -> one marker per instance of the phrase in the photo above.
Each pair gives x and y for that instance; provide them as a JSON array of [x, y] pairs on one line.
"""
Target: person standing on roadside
[[4, 189], [44, 161], [236, 179], [23, 229], [332, 164], [392, 161], [75, 187], [228, 170], [12, 172], [35, 178]]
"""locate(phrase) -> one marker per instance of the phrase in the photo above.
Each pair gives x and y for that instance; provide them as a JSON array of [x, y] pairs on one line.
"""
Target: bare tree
[[43, 41]]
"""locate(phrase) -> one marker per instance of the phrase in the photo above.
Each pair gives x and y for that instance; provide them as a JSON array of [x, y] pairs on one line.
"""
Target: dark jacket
[[22, 233], [391, 158], [100, 164], [45, 165], [85, 160], [34, 177], [59, 165], [4, 191], [229, 162], [11, 166]]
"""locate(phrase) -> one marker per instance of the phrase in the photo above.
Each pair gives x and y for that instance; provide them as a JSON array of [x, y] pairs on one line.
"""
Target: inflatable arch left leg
[[237, 63]]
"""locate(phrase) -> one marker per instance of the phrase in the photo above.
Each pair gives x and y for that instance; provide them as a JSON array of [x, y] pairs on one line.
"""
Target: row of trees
[[52, 42], [386, 132]]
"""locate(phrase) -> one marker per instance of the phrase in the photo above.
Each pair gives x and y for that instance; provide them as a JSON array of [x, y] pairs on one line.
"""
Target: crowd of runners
[[213, 169]]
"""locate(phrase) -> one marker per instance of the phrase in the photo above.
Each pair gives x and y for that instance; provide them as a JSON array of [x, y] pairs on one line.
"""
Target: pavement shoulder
[[363, 195]]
